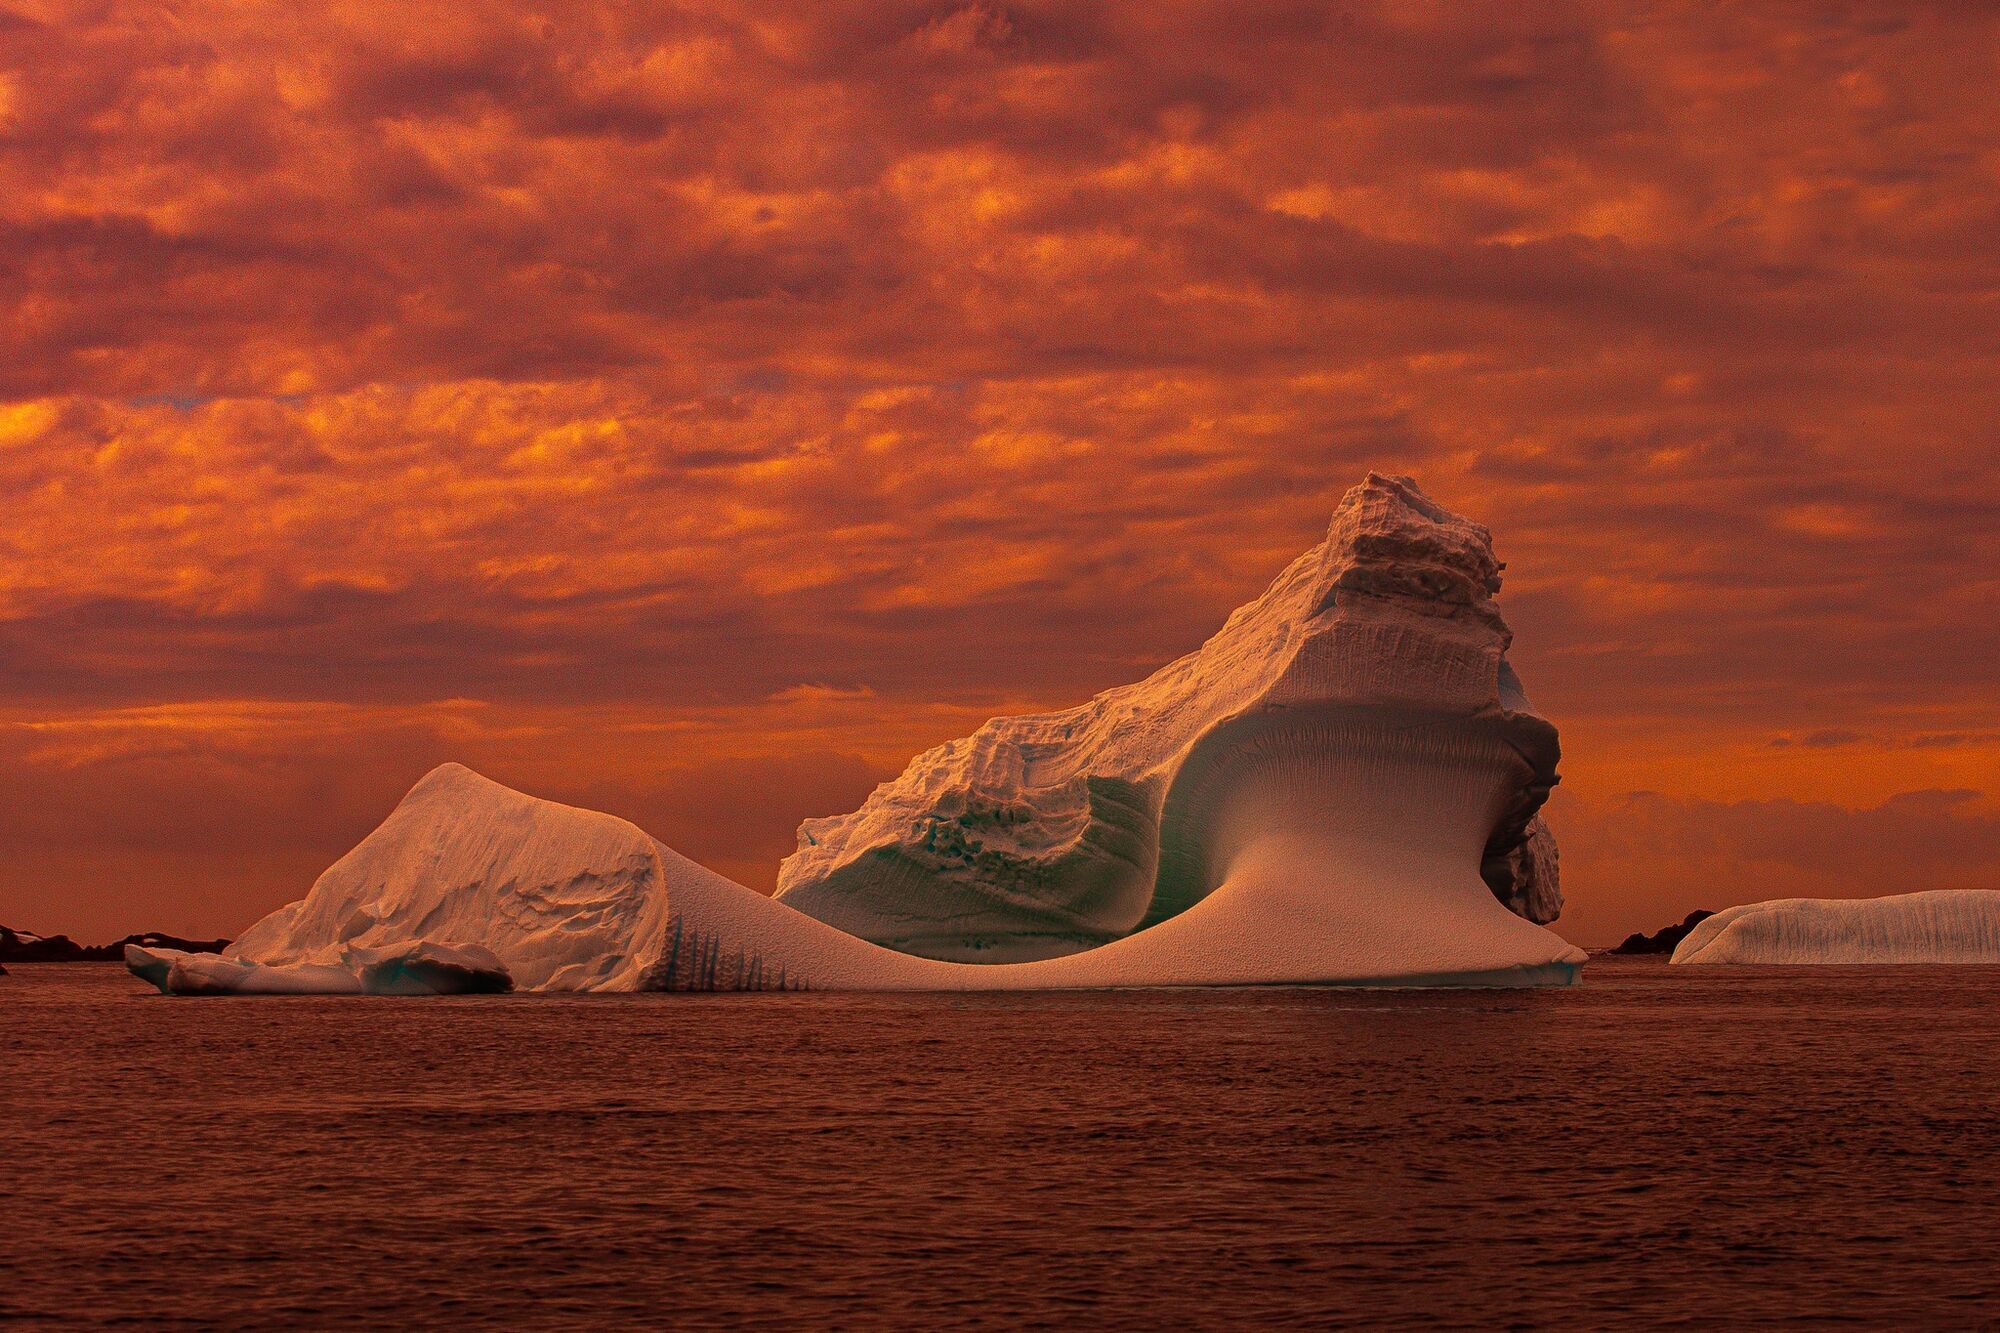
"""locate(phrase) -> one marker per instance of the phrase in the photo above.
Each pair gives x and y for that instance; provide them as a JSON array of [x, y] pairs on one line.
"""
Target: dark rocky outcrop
[[1664, 939], [25, 947]]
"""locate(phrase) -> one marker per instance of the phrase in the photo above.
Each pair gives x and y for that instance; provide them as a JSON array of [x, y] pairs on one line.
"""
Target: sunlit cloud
[[738, 398]]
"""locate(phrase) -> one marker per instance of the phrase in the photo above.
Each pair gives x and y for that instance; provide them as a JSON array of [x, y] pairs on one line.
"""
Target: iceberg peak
[[1387, 529]]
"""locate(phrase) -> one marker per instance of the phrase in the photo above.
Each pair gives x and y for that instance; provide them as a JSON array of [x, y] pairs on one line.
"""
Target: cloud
[[217, 813], [812, 694], [620, 361], [1828, 738]]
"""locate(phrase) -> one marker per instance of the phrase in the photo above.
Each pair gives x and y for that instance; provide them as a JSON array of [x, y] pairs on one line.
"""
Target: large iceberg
[[1341, 787], [1368, 684], [1939, 926]]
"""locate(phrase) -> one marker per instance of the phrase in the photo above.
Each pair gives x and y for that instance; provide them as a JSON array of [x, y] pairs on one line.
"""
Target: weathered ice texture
[[180, 973], [1330, 875], [1525, 876], [1046, 835], [496, 885], [1940, 926]]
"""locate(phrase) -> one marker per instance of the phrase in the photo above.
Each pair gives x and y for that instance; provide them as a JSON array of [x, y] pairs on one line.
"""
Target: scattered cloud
[[641, 370]]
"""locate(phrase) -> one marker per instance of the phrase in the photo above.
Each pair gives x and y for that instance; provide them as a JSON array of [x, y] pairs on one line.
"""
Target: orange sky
[[691, 413]]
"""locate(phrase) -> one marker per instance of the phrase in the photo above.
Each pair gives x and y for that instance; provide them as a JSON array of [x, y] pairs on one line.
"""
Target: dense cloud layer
[[717, 405]]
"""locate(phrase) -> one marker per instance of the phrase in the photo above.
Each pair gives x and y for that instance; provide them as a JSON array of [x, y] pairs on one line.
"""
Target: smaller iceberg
[[1940, 926], [467, 888], [428, 968]]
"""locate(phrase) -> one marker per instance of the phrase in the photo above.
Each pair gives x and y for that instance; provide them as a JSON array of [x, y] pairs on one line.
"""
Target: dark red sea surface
[[1714, 1147]]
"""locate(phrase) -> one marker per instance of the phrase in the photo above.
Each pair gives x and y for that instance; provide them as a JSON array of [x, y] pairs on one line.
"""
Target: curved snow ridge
[[1937, 926], [1056, 833], [1302, 906]]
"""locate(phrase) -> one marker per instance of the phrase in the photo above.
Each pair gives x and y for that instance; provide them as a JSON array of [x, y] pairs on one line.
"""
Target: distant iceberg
[[1341, 787], [1940, 926]]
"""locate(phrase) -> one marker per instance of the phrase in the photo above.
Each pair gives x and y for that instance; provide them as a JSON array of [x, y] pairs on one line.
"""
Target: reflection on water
[[1659, 1145]]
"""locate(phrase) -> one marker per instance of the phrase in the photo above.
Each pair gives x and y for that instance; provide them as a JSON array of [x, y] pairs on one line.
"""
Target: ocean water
[[1659, 1146]]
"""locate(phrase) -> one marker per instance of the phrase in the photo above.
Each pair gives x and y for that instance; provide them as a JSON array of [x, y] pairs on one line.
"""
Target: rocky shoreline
[[20, 946], [1662, 940]]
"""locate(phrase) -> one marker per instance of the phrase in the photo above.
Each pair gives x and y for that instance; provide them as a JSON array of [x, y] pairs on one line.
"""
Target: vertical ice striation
[[1935, 926]]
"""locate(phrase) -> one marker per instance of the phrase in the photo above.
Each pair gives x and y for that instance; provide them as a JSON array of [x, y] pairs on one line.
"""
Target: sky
[[693, 412]]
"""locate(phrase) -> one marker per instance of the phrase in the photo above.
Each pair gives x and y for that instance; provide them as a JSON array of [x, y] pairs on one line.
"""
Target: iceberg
[[419, 968], [1938, 926], [564, 899], [152, 965], [1341, 787], [180, 973], [466, 887], [1369, 679]]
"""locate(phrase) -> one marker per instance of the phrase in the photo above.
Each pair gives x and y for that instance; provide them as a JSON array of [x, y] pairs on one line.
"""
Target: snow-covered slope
[[1940, 926], [1051, 834]]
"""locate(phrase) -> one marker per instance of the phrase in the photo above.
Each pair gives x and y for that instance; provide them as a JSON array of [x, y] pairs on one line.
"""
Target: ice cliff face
[[1939, 926], [1046, 835], [1525, 876]]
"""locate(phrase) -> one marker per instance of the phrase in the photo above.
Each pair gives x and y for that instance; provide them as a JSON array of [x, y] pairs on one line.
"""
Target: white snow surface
[[1055, 833], [1938, 926]]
